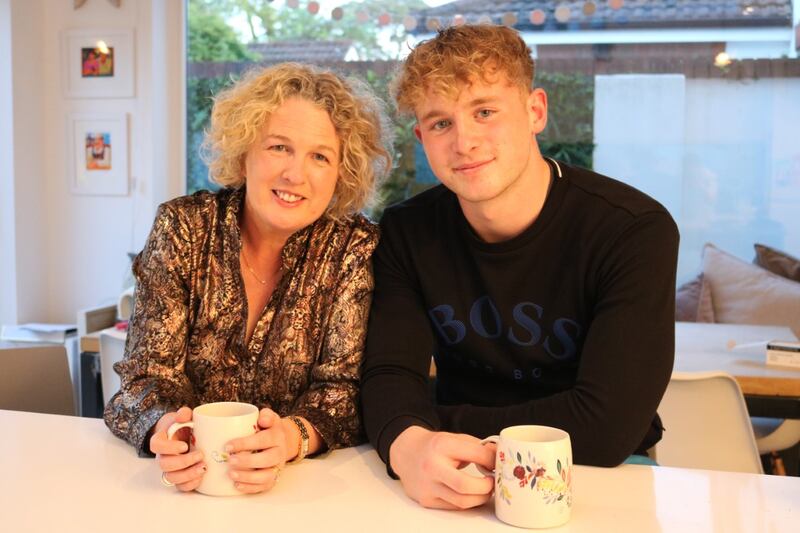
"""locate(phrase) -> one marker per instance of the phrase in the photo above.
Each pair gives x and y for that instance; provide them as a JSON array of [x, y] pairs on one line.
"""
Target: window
[[363, 39], [696, 107]]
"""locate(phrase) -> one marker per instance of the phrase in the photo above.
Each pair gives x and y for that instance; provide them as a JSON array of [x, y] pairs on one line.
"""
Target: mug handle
[[176, 426], [495, 439]]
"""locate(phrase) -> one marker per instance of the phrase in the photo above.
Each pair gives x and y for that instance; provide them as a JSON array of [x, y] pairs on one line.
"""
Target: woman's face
[[291, 171]]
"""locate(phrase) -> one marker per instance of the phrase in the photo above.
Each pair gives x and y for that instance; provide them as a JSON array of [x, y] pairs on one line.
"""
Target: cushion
[[693, 301], [744, 293], [777, 262]]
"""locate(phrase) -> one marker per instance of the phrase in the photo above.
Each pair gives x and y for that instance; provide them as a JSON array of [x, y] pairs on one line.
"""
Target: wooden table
[[70, 474], [769, 390]]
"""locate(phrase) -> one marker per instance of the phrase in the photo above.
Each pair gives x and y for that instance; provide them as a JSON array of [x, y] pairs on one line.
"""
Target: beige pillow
[[743, 293], [777, 262], [693, 301]]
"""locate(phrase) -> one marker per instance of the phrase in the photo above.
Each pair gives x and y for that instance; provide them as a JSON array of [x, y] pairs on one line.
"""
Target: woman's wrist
[[292, 435], [302, 449]]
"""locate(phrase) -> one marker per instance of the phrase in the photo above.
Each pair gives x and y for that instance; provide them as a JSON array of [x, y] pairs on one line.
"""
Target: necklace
[[253, 272]]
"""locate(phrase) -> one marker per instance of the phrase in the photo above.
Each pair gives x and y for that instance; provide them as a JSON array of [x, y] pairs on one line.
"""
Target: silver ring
[[165, 481]]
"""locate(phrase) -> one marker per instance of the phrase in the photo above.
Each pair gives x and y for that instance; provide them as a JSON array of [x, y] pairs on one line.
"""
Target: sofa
[[729, 290]]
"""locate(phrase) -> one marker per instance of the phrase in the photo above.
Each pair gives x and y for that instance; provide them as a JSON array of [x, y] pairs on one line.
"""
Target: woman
[[260, 292]]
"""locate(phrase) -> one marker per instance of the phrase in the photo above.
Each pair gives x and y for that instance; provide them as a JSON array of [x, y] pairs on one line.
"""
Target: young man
[[545, 292]]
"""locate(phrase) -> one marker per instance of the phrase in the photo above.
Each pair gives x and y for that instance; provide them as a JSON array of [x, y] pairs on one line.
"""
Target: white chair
[[36, 379], [775, 434], [112, 348], [706, 424]]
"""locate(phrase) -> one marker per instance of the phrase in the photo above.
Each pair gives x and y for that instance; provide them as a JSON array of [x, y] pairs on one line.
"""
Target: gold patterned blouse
[[186, 341]]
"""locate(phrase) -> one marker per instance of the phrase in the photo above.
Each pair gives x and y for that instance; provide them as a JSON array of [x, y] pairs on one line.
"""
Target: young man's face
[[481, 143]]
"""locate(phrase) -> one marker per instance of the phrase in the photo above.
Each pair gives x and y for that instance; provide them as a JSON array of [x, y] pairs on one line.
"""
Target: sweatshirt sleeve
[[399, 347]]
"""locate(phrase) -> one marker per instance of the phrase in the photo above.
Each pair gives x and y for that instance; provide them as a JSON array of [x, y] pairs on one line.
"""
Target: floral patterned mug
[[533, 476]]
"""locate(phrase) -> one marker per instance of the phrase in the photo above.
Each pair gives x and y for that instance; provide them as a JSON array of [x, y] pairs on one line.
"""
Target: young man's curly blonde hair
[[456, 56], [241, 111]]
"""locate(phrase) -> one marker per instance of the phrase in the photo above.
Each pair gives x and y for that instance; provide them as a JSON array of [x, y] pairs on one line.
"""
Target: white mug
[[533, 476], [125, 304], [213, 425]]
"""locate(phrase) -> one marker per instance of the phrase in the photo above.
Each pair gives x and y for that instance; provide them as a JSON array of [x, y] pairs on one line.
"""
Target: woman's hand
[[183, 469], [255, 461]]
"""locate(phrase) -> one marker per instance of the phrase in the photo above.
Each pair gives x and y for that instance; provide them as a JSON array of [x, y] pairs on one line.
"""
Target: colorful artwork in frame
[[98, 63], [98, 151], [98, 144]]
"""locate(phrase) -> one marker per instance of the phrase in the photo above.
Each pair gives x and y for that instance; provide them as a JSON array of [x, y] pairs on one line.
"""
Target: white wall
[[721, 155], [8, 270], [71, 250], [25, 271], [796, 18], [758, 50]]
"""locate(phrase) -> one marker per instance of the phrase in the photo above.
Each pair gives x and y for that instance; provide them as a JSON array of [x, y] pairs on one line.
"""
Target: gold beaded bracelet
[[302, 448]]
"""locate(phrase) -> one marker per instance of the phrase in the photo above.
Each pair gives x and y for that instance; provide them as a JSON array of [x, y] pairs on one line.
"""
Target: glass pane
[[360, 39], [696, 105]]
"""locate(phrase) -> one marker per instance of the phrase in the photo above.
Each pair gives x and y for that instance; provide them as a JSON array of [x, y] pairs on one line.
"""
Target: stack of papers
[[36, 332]]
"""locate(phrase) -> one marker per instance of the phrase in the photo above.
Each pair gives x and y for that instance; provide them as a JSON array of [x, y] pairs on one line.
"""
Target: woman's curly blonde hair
[[241, 111], [456, 56]]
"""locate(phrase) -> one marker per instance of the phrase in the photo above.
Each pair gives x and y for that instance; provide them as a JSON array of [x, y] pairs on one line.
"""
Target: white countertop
[[70, 474]]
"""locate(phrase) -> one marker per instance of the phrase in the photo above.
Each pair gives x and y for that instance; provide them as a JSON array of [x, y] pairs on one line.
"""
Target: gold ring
[[165, 481]]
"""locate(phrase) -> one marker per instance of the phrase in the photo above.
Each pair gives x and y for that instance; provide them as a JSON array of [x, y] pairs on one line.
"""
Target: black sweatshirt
[[569, 324]]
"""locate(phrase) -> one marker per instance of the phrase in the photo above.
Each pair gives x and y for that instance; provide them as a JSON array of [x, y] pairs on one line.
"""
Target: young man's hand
[[428, 464]]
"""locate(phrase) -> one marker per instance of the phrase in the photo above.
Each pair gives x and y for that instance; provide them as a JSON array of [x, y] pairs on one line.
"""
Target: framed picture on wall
[[98, 63], [98, 146]]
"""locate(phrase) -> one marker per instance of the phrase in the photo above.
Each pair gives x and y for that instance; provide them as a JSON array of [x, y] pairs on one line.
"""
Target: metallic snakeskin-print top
[[186, 341]]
